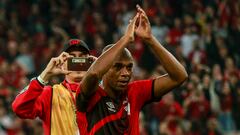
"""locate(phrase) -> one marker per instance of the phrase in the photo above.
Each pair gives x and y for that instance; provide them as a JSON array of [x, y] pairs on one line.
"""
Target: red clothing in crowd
[[198, 109], [164, 111]]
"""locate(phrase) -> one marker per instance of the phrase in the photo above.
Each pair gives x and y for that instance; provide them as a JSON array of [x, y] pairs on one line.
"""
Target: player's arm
[[176, 73], [104, 62]]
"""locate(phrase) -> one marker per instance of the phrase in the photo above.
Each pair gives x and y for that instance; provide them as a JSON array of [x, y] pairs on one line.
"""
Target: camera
[[79, 63]]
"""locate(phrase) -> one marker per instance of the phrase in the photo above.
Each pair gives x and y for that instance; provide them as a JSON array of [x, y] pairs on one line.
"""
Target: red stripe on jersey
[[106, 120], [95, 100]]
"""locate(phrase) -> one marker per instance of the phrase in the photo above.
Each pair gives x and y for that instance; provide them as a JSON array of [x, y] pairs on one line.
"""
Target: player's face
[[75, 76], [119, 74]]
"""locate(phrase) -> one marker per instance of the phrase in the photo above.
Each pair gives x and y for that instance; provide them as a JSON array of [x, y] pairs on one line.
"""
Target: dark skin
[[115, 81], [105, 66]]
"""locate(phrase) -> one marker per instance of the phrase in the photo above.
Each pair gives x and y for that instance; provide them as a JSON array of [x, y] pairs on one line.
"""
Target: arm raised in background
[[34, 100], [95, 73], [176, 73]]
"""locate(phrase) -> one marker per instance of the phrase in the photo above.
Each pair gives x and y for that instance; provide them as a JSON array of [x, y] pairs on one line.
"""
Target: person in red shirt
[[168, 111], [112, 108], [175, 33], [54, 105]]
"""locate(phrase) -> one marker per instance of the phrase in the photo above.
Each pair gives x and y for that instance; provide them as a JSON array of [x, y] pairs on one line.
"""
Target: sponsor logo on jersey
[[111, 106]]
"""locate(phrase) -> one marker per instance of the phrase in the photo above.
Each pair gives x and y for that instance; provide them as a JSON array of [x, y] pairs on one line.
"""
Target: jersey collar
[[72, 86]]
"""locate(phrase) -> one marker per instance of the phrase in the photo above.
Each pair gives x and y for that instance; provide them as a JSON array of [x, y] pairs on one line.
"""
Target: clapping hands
[[139, 26], [143, 29]]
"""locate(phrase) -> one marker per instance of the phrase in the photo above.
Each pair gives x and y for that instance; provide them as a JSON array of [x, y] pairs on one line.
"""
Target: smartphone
[[79, 63]]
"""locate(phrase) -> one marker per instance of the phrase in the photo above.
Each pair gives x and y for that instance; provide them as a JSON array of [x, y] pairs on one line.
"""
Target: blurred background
[[204, 35]]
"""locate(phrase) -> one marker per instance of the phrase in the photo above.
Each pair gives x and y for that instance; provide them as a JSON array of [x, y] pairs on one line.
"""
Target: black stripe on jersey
[[81, 102], [100, 111], [153, 97], [113, 128]]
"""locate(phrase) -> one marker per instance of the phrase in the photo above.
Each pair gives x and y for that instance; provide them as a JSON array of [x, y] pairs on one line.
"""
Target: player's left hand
[[143, 29], [129, 33]]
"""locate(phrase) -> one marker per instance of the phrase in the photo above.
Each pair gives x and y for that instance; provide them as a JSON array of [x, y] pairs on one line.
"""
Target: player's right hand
[[56, 66], [143, 30]]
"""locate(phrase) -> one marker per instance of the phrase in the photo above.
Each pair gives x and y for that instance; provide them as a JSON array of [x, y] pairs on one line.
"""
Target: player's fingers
[[130, 21], [142, 13], [144, 20], [140, 20], [133, 22], [135, 17], [139, 9]]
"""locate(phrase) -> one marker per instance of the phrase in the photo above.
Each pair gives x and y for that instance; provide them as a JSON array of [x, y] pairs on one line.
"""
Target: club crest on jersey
[[111, 106]]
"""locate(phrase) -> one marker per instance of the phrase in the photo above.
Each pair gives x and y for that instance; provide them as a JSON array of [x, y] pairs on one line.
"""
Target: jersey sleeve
[[86, 103], [33, 101], [81, 101], [141, 92]]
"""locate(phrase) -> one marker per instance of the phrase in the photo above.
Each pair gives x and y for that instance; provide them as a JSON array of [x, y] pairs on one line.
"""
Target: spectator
[[54, 105]]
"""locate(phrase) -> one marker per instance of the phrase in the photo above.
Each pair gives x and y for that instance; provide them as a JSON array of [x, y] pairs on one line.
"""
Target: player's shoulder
[[139, 83], [100, 91]]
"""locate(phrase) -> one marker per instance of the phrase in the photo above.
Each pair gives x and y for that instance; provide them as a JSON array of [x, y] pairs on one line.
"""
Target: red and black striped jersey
[[102, 115]]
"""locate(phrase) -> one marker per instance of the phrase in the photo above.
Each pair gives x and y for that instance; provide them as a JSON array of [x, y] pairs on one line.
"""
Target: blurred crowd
[[204, 35]]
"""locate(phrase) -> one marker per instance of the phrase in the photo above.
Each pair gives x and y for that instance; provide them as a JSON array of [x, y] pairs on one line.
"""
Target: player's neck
[[115, 94], [111, 92]]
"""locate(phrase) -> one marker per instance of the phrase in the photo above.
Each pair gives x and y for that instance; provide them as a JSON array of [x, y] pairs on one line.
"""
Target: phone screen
[[78, 63]]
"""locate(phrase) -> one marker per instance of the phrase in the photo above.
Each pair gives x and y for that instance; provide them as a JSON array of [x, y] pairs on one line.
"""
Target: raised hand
[[56, 66], [143, 29], [129, 33]]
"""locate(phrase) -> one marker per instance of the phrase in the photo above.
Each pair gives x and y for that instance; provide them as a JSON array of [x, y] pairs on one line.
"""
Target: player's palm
[[143, 31]]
